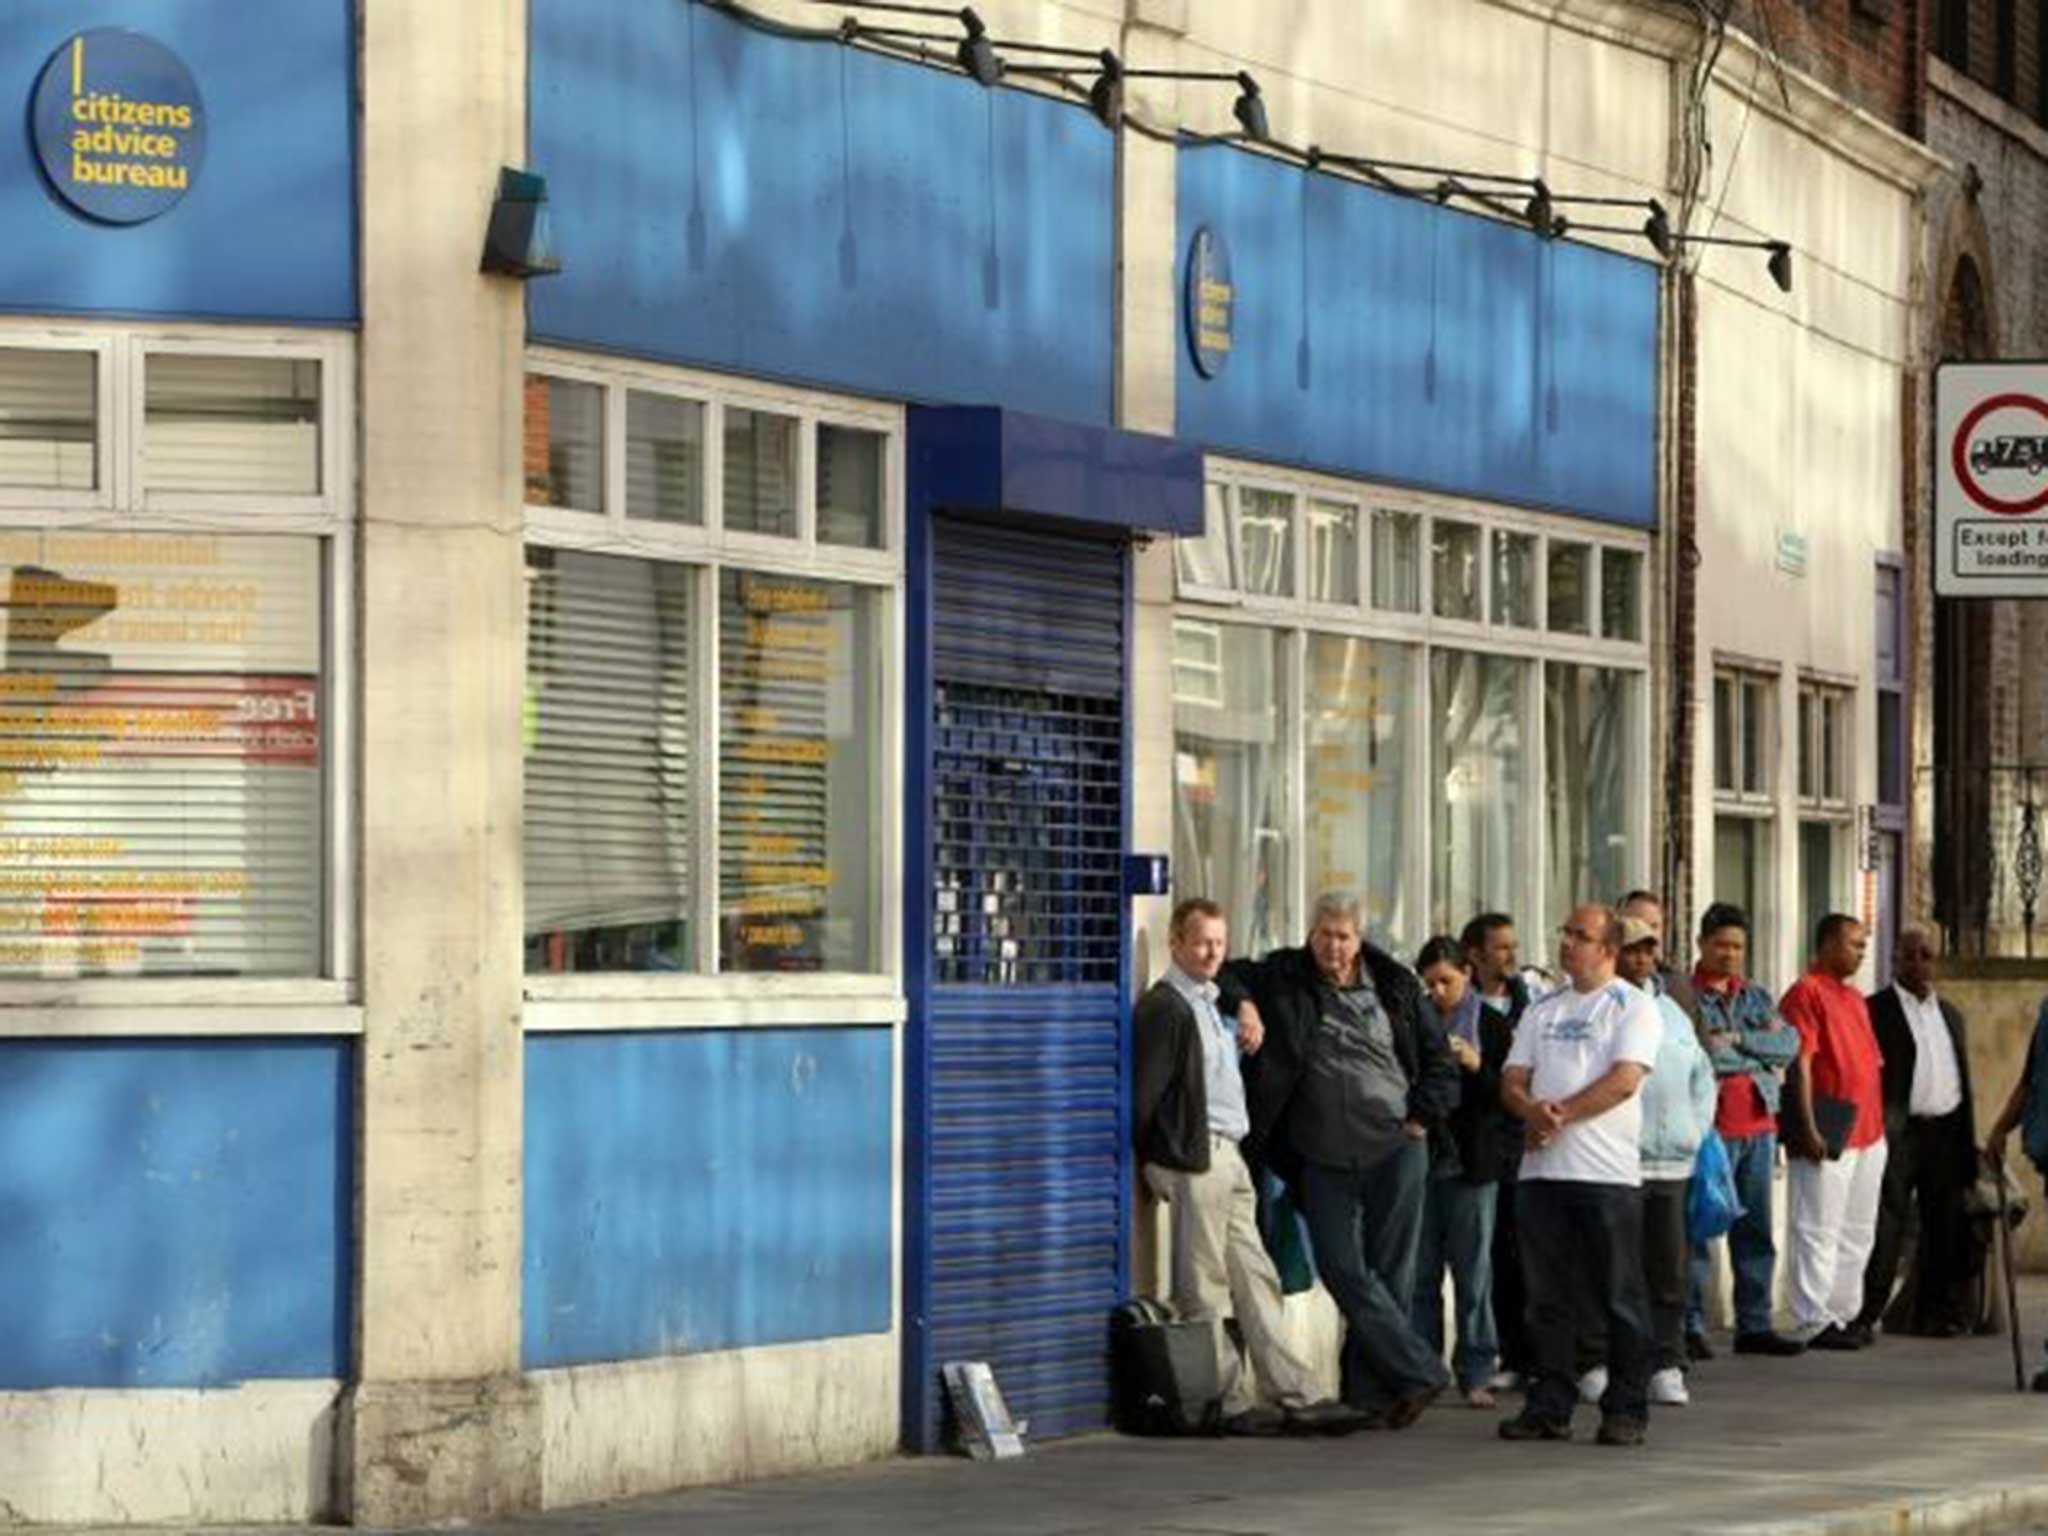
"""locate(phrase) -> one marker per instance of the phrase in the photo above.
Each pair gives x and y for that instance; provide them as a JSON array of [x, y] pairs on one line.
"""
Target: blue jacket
[[1678, 1095], [1745, 1034]]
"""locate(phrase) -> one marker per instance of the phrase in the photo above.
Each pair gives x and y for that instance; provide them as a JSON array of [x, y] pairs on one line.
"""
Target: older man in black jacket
[[1188, 1117], [1930, 1125], [1350, 1082]]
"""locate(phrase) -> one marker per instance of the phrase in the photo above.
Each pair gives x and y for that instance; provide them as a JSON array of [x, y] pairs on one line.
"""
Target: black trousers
[[1582, 1245], [1666, 1269], [1510, 1298], [1932, 1165]]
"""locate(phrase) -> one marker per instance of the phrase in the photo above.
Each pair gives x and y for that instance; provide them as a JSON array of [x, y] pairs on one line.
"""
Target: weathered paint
[[802, 210], [173, 1213], [702, 1190]]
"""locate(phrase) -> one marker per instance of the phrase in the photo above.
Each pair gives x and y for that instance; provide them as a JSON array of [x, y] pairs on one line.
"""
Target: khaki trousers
[[1221, 1268]]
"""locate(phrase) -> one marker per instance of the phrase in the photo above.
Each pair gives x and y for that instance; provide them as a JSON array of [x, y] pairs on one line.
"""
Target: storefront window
[[664, 458], [48, 419], [1454, 570], [1480, 745], [1821, 867], [564, 443], [1621, 594], [241, 425], [1396, 561], [1333, 553], [1743, 875], [1231, 775], [161, 755], [1205, 562], [1265, 530], [1571, 575], [850, 486], [760, 472], [1591, 734], [1514, 579], [1359, 724]]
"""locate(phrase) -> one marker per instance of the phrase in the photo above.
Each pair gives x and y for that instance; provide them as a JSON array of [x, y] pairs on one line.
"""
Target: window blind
[[47, 418], [242, 425]]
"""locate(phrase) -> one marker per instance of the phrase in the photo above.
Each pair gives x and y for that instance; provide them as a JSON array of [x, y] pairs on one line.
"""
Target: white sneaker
[[1593, 1385], [1667, 1388], [1506, 1381]]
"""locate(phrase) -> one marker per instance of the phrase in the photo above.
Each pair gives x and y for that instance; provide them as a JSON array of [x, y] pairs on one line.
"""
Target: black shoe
[[1329, 1417], [1767, 1344], [1258, 1423], [1620, 1429], [1863, 1336], [1697, 1347], [1832, 1337], [1405, 1410], [2040, 1381], [1525, 1427]]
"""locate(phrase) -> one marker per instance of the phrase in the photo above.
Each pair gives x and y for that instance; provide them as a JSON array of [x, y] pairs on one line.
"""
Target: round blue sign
[[1209, 303], [119, 126]]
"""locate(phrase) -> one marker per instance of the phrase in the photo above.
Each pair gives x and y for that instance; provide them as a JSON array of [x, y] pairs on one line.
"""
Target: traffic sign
[[1991, 480]]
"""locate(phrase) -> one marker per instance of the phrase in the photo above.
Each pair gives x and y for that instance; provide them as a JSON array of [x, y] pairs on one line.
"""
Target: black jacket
[[1287, 988], [1170, 1095], [1895, 1040], [1476, 1127]]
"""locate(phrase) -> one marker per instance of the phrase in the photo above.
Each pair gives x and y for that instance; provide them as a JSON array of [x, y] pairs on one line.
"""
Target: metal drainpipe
[[1681, 564]]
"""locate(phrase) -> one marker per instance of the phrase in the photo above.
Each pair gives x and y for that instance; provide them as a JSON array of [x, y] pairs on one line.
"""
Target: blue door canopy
[[979, 458]]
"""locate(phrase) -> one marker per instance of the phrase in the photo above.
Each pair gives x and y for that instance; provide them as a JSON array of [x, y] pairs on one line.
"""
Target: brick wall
[[1873, 63]]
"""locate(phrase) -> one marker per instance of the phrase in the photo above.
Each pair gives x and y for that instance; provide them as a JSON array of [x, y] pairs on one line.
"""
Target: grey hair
[[1337, 906], [1921, 931]]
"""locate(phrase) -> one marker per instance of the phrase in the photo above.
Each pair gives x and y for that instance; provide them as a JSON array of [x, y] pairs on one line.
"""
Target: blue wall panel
[[267, 230], [808, 211], [705, 1189], [173, 1213], [1385, 337]]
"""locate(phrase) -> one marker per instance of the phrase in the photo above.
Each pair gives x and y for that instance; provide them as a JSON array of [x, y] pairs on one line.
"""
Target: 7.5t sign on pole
[[1991, 480]]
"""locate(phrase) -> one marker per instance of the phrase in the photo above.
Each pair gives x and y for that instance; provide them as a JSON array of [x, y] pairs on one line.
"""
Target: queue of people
[[1537, 1145]]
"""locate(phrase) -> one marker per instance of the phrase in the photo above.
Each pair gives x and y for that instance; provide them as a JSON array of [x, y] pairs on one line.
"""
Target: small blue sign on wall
[[1209, 303], [119, 127]]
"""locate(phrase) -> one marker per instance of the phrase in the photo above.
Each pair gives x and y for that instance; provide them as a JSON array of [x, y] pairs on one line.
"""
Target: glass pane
[[850, 486], [48, 413], [1397, 561], [1891, 748], [611, 764], [1820, 867], [1205, 562], [1333, 553], [161, 755], [1742, 874], [1621, 594], [1592, 720], [1809, 777], [1834, 712], [1479, 770], [1571, 573], [1757, 733], [1359, 693], [1514, 579], [244, 425], [1891, 659], [564, 444], [1231, 786], [799, 756], [664, 459], [1454, 569], [1265, 532], [760, 472], [1726, 701]]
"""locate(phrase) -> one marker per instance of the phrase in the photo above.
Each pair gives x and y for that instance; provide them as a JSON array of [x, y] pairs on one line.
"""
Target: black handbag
[[1164, 1372]]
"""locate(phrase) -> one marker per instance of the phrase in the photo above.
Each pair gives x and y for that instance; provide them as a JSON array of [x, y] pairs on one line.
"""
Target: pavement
[[1915, 1435]]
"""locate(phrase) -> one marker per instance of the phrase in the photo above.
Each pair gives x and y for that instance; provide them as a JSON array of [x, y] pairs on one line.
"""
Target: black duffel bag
[[1163, 1371]]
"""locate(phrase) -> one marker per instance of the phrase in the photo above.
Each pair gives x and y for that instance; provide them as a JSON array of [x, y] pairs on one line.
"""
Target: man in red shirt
[[1837, 1082]]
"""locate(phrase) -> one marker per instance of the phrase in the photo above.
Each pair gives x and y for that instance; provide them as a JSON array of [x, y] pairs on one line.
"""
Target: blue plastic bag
[[1711, 1204]]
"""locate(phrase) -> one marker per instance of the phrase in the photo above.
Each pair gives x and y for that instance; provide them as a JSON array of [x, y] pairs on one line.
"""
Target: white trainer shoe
[[1593, 1385], [1667, 1388]]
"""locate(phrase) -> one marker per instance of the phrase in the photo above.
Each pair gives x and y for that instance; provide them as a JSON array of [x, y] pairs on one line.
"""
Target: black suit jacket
[[1895, 1039]]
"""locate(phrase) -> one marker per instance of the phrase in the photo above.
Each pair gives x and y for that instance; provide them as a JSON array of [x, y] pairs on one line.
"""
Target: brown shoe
[[1406, 1409]]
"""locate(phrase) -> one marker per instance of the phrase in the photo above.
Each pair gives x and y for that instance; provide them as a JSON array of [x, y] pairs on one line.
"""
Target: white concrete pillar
[[439, 1424]]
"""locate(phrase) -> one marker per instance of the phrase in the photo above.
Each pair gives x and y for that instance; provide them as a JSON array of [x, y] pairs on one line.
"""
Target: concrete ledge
[[643, 1426], [260, 1453], [1990, 1509], [421, 1452]]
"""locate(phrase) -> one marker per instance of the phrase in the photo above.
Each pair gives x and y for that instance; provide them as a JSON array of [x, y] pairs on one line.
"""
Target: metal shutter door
[[1024, 1124]]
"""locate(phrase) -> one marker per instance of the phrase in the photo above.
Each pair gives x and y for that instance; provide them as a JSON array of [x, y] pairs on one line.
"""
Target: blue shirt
[[1220, 1074]]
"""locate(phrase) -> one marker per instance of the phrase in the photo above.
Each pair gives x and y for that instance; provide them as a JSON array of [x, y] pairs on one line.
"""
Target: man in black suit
[[1931, 1128]]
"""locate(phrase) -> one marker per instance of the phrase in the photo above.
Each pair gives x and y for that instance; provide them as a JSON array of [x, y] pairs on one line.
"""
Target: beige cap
[[1635, 931]]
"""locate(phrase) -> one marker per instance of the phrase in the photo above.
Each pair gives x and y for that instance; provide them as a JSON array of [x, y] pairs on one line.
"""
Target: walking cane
[[2012, 1303]]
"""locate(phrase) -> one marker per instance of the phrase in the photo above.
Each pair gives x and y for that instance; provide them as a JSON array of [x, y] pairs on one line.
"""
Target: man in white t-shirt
[[1572, 1078]]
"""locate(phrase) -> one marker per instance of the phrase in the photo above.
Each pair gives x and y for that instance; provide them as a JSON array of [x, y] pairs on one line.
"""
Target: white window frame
[[1298, 618], [1735, 800], [1834, 802], [606, 1000], [326, 1004]]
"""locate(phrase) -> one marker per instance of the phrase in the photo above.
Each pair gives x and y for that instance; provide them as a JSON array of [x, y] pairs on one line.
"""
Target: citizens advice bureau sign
[[119, 128], [1991, 480]]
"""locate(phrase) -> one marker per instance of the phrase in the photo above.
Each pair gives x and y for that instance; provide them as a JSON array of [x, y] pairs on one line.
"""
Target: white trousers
[[1831, 1219], [1221, 1268]]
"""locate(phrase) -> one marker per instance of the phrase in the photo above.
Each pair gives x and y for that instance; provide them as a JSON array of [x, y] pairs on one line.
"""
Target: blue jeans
[[1457, 1230], [1365, 1223], [1751, 1253]]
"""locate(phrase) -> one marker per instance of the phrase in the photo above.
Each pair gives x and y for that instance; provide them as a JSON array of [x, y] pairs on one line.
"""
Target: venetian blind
[[243, 425], [47, 418]]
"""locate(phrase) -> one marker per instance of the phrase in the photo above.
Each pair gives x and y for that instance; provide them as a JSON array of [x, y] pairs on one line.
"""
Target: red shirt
[[1840, 1048], [1739, 1108]]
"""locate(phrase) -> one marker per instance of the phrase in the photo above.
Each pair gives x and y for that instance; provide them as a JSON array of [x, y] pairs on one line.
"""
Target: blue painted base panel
[[173, 1213], [702, 1190]]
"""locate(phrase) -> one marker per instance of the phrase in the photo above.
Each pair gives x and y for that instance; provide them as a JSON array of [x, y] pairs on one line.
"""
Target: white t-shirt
[[1569, 1040]]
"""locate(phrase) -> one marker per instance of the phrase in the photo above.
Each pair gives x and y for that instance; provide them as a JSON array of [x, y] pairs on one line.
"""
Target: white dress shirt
[[1937, 1080]]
